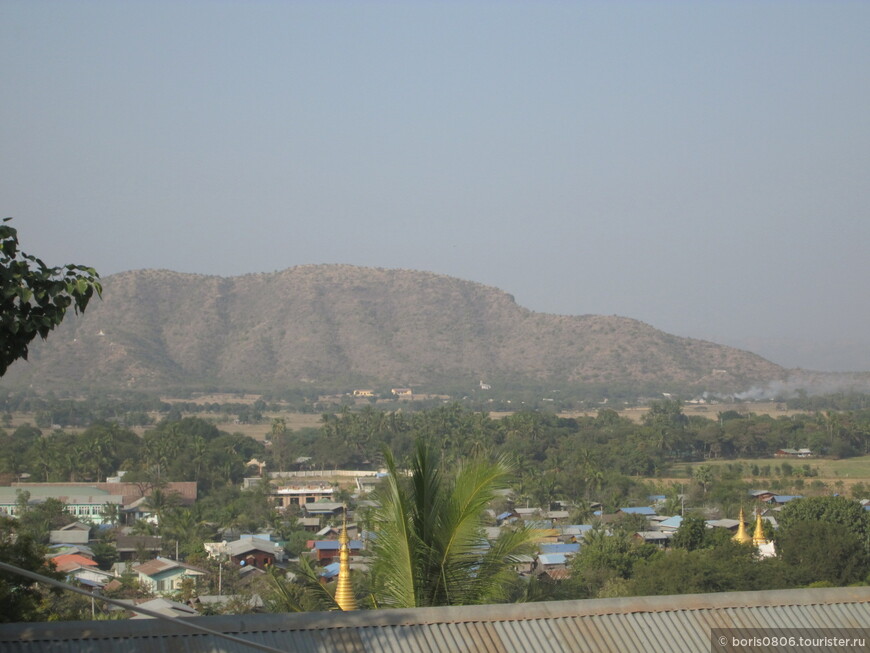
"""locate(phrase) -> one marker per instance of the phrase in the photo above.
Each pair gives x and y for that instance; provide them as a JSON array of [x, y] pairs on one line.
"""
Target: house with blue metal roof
[[646, 511], [566, 549], [549, 560], [782, 499], [330, 571], [671, 523], [327, 549]]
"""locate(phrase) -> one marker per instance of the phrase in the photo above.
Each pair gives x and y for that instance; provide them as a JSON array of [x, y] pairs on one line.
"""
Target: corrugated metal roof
[[334, 545], [552, 558], [568, 547], [640, 510], [642, 624], [671, 522]]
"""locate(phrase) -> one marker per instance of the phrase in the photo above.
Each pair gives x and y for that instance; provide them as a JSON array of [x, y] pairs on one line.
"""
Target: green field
[[849, 470]]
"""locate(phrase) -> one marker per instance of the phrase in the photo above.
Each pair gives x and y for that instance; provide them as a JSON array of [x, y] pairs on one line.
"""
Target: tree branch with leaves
[[34, 297]]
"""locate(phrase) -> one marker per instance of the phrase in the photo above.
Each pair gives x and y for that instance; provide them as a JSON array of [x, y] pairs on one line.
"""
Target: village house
[[95, 503], [368, 484], [646, 511], [330, 532], [779, 500], [544, 534], [527, 513], [328, 508], [81, 501], [670, 524], [324, 551], [55, 550], [572, 532], [310, 524], [659, 538], [567, 549], [523, 564], [297, 495], [557, 516], [793, 453], [254, 552], [129, 547], [68, 562], [93, 578], [75, 533], [163, 576], [761, 495], [554, 565], [728, 524]]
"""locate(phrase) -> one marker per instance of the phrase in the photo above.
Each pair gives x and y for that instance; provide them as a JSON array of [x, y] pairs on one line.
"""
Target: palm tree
[[305, 593], [160, 501], [111, 514], [185, 529], [429, 548]]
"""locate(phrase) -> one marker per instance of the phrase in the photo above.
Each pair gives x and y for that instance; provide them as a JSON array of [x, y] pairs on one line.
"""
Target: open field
[[216, 398], [261, 431], [296, 421], [848, 470], [711, 411]]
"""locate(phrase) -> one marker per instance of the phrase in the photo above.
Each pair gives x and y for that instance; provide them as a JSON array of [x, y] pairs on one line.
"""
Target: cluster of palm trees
[[74, 458]]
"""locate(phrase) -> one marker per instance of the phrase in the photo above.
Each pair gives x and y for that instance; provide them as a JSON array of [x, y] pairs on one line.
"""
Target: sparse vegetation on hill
[[339, 327]]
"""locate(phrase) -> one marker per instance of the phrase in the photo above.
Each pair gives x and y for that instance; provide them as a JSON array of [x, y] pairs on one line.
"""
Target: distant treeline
[[838, 401], [585, 459], [666, 435]]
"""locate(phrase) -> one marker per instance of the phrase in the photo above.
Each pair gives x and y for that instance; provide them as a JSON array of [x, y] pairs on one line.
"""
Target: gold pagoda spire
[[758, 536], [344, 590], [742, 535]]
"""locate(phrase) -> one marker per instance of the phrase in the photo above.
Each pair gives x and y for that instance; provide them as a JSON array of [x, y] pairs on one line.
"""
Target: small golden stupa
[[344, 590], [758, 536], [742, 535]]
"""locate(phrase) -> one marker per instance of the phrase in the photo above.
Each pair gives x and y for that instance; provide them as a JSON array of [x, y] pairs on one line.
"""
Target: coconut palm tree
[[429, 548], [305, 593]]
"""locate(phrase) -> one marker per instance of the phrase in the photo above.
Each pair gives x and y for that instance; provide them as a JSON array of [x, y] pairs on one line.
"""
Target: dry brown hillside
[[337, 324]]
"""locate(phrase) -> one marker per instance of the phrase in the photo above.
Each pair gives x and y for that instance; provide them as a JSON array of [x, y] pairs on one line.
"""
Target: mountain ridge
[[335, 325]]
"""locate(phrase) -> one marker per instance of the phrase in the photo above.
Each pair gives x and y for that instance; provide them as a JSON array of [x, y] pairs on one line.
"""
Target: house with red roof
[[68, 562]]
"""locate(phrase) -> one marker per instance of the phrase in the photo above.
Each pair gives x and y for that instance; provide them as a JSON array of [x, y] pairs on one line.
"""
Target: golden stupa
[[742, 535], [344, 590], [758, 536]]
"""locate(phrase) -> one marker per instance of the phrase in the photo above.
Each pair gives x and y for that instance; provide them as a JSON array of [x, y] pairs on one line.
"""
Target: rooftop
[[669, 623]]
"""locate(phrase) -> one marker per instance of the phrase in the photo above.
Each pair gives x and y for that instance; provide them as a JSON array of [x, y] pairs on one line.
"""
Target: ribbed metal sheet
[[642, 624]]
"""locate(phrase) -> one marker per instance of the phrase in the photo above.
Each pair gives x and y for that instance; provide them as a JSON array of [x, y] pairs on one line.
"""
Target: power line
[[150, 613]]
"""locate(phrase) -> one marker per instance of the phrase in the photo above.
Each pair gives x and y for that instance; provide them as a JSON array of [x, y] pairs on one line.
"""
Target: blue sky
[[702, 167]]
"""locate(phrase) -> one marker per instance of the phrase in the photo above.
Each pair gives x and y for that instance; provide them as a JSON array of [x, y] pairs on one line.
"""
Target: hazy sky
[[701, 166]]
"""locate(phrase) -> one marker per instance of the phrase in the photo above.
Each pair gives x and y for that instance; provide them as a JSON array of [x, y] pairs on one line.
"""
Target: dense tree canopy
[[829, 509]]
